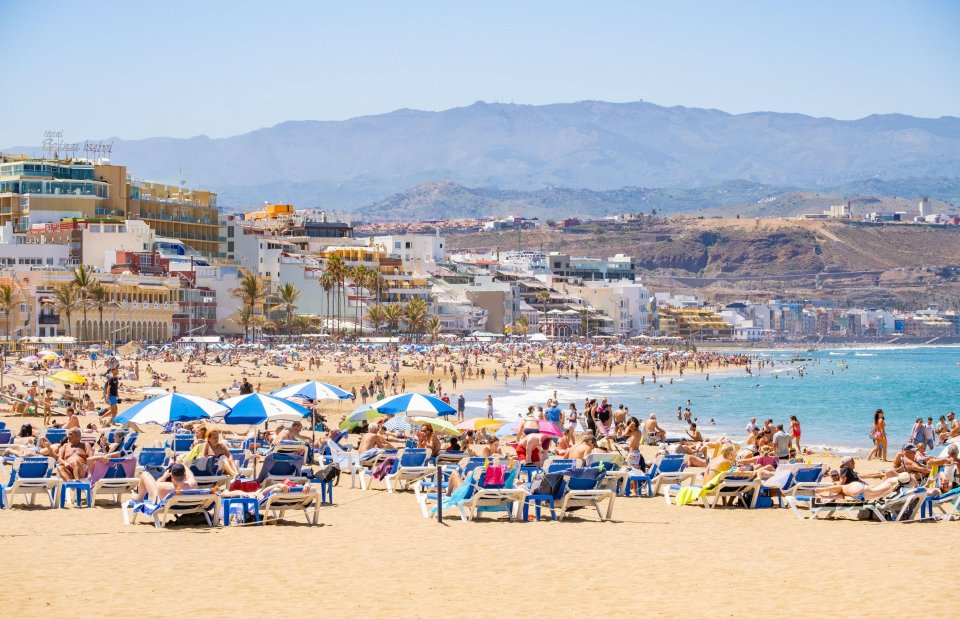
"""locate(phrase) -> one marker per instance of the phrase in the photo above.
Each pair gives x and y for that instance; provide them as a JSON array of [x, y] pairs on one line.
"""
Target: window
[[23, 308], [396, 244], [407, 246]]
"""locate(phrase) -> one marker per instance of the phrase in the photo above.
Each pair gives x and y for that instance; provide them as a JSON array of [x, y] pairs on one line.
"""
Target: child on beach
[[47, 402]]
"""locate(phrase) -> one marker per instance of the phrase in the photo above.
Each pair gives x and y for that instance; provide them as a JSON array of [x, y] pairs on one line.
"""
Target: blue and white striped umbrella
[[415, 404], [400, 423], [173, 407], [256, 408], [312, 390]]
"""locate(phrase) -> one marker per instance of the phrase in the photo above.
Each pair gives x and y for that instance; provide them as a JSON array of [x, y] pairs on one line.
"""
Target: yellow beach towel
[[690, 494]]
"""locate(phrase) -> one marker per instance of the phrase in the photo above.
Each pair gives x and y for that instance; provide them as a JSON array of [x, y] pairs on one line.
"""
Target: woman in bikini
[[795, 432], [879, 435]]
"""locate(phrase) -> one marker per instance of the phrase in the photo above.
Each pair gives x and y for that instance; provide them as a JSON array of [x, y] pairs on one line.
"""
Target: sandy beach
[[375, 555]]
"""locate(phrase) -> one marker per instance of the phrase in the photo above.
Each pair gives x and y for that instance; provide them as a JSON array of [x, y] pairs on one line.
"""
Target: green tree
[[377, 316], [434, 328], [393, 312], [96, 299], [83, 281], [339, 271], [415, 313], [544, 296], [243, 317], [7, 301], [287, 297], [65, 300], [521, 325], [252, 291]]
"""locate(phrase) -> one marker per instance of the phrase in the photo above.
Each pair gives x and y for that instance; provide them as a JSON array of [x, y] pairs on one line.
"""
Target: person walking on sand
[[795, 432], [879, 436], [489, 406]]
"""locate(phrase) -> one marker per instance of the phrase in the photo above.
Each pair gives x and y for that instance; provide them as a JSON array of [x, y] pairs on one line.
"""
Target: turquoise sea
[[834, 400]]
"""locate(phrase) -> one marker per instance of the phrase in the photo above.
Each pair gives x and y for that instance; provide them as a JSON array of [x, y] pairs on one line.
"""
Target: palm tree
[[543, 296], [243, 317], [83, 280], [327, 283], [7, 301], [377, 316], [521, 325], [393, 312], [97, 298], [584, 323], [287, 297], [301, 324], [415, 313], [65, 300], [361, 281], [434, 328], [338, 272], [261, 322], [252, 291]]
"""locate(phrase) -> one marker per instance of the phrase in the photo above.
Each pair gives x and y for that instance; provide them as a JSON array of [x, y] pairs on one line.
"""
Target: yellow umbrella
[[66, 376], [440, 425], [479, 423], [49, 355]]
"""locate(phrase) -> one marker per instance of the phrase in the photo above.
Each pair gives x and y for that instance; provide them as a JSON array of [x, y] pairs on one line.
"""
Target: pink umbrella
[[543, 427]]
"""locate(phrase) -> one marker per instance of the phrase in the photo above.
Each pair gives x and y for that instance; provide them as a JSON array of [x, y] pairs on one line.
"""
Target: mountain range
[[589, 145]]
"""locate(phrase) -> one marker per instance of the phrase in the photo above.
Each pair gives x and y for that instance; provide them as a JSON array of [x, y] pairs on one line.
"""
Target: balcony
[[48, 319]]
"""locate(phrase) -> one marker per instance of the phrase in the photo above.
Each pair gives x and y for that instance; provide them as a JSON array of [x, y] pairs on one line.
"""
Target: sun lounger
[[947, 503], [31, 477], [206, 471], [113, 477], [410, 467], [152, 459], [670, 470], [488, 498], [184, 502], [898, 506], [279, 467], [426, 491], [180, 443], [585, 487], [279, 503]]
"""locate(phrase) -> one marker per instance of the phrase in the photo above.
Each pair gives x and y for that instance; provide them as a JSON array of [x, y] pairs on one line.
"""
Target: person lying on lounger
[[177, 477], [847, 483], [266, 491]]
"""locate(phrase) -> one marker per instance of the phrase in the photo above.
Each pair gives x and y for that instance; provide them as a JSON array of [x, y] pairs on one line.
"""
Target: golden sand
[[375, 555]]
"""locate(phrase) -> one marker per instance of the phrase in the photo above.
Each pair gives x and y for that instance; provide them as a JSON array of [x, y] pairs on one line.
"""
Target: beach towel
[[384, 468], [193, 454], [689, 494], [495, 475]]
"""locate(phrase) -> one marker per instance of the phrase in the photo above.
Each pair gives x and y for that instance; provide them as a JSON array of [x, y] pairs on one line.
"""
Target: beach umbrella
[[400, 423], [543, 427], [153, 392], [256, 408], [30, 359], [479, 423], [415, 403], [173, 407], [440, 425], [66, 376], [312, 390], [364, 413]]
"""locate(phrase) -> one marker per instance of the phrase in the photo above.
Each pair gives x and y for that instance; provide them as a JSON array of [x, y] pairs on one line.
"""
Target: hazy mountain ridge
[[447, 200], [589, 144]]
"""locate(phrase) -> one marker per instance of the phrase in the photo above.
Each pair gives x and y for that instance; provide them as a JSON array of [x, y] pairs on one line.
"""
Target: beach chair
[[181, 443], [154, 460], [585, 487], [806, 480], [669, 470], [368, 461], [899, 506], [243, 458], [779, 484], [426, 491], [276, 504], [31, 477], [411, 466], [558, 465], [206, 471], [55, 435], [184, 502], [733, 489], [947, 503], [348, 461], [448, 457], [113, 477], [492, 498], [129, 446], [283, 467]]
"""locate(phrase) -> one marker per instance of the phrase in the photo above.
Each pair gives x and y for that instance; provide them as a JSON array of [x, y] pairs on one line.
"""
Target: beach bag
[[328, 473], [495, 475], [548, 484]]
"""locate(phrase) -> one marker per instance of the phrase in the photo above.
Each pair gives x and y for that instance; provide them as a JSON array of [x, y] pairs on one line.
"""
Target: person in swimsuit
[[213, 448], [847, 483], [177, 477], [795, 432], [879, 435], [72, 456]]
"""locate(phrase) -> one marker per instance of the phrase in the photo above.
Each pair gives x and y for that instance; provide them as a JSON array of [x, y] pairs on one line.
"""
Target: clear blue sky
[[139, 69]]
